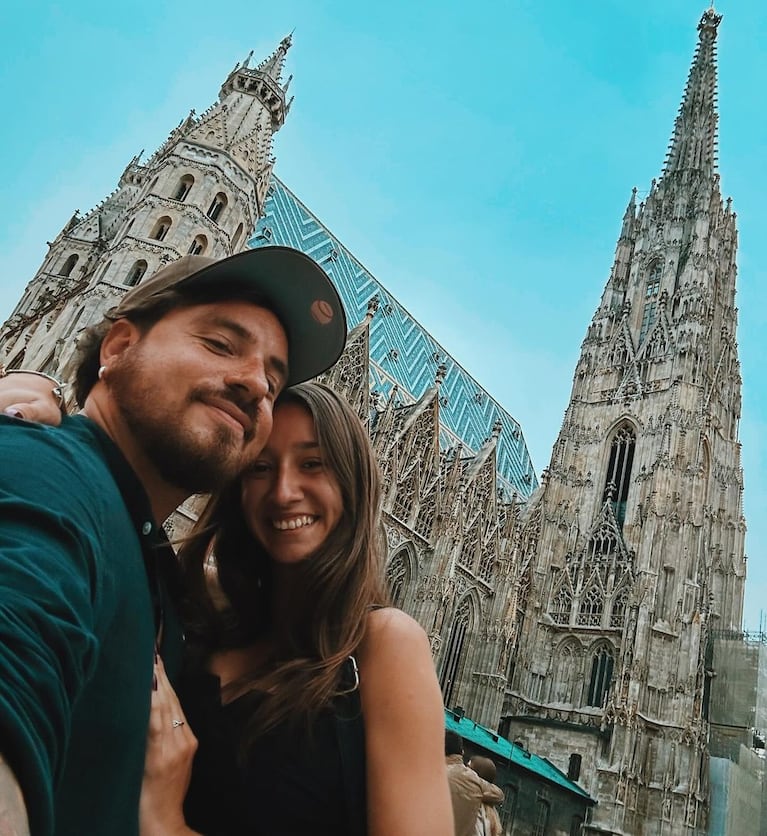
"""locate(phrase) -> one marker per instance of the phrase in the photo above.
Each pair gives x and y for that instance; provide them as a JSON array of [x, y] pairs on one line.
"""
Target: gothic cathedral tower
[[200, 192], [638, 551]]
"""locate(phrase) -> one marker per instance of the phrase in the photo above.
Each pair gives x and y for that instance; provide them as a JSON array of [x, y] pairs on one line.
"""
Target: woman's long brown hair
[[335, 588]]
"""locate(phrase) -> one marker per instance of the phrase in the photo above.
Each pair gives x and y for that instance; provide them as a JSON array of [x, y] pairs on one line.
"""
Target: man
[[488, 820], [177, 385], [467, 790]]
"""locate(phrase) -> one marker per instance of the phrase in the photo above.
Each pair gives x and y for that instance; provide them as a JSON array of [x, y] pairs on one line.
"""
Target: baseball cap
[[285, 280]]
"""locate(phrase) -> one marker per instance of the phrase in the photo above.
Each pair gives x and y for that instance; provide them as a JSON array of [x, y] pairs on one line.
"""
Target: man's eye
[[218, 345]]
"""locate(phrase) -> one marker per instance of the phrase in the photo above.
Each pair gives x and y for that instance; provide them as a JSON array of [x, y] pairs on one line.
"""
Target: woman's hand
[[170, 751]]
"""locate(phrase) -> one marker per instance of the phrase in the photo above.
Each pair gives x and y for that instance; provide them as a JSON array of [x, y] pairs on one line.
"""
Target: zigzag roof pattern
[[402, 352]]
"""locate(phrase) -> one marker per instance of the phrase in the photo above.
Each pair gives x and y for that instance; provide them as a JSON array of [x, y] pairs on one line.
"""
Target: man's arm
[[13, 811]]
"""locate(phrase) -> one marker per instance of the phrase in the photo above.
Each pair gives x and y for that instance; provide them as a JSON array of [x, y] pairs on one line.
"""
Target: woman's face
[[290, 497]]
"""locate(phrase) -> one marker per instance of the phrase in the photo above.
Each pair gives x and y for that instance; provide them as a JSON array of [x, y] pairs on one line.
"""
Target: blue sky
[[477, 158]]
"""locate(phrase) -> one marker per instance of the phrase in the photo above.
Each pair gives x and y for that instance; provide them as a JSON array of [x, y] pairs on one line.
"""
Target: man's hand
[[31, 396], [13, 811]]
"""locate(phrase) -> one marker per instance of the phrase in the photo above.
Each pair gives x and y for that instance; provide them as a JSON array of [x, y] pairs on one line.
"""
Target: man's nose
[[250, 377]]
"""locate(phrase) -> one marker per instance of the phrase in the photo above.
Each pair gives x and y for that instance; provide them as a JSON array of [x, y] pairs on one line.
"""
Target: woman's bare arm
[[407, 787]]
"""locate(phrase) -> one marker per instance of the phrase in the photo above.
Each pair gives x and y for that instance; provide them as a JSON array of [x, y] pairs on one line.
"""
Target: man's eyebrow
[[239, 330]]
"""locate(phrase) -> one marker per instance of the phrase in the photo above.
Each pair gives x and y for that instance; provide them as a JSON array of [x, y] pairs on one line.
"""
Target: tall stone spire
[[640, 554], [201, 192], [693, 143]]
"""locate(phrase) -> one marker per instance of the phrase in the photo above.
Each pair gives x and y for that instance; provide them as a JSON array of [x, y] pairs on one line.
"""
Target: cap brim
[[299, 292]]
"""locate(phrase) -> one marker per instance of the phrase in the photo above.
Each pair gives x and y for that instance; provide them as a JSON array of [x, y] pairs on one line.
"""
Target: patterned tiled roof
[[402, 352]]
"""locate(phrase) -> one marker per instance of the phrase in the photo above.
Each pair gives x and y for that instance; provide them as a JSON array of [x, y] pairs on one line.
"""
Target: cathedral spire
[[693, 143], [274, 64]]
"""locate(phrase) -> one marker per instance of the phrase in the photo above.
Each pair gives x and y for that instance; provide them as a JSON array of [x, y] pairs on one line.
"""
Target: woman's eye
[[258, 469]]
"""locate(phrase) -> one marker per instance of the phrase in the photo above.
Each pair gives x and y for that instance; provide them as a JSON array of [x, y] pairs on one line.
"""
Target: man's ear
[[121, 336]]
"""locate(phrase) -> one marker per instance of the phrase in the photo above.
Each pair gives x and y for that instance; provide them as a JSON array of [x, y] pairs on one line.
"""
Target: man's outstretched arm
[[13, 811]]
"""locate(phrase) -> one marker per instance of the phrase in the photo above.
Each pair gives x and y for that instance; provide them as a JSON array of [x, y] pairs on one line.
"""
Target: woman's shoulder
[[386, 621], [390, 629]]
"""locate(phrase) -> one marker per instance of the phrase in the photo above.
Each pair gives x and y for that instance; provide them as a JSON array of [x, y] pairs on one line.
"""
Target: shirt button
[[146, 528]]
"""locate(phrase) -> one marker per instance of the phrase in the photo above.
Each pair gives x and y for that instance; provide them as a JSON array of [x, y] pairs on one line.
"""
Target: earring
[[102, 369]]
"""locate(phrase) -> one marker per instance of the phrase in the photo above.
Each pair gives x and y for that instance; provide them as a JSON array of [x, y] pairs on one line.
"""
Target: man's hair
[[144, 317], [335, 588], [484, 767], [453, 743]]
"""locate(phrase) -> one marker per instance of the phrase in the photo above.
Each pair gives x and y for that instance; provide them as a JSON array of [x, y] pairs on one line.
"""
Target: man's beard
[[196, 464]]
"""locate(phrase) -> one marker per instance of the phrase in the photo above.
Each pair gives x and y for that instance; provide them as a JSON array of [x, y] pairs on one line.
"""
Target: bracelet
[[57, 390]]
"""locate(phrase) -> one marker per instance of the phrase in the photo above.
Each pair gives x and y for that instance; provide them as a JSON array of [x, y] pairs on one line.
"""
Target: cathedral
[[572, 616], [631, 552]]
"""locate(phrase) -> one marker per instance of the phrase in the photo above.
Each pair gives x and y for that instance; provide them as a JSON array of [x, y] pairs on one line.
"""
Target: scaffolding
[[737, 713]]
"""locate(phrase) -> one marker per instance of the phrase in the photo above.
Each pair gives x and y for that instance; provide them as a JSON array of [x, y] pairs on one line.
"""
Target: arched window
[[136, 273], [592, 604], [68, 265], [542, 810], [236, 238], [564, 683], [217, 207], [199, 245], [601, 674], [561, 605], [618, 477], [652, 289], [508, 808], [398, 578], [184, 187], [161, 228], [454, 651]]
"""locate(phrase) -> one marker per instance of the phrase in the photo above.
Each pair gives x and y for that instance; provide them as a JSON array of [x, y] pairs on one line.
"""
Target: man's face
[[196, 390]]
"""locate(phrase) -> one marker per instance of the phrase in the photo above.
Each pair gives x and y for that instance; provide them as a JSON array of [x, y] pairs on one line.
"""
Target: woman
[[316, 706]]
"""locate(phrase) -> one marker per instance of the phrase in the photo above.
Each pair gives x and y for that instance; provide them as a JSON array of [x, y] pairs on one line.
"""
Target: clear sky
[[476, 157]]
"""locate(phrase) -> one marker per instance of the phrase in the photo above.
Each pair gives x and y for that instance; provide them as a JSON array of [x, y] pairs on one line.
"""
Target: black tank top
[[291, 782]]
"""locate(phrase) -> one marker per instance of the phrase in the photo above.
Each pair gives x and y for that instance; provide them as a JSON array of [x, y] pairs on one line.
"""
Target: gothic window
[[618, 476], [542, 810], [236, 238], [405, 495], [652, 288], [601, 674], [184, 187], [68, 265], [398, 578], [217, 207], [508, 808], [592, 604], [454, 651], [161, 228], [565, 680], [469, 548], [486, 563], [199, 245], [136, 273], [561, 605], [618, 613]]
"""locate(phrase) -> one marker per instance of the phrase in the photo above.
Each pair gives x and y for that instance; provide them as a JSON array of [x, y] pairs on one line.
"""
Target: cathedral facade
[[633, 546]]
